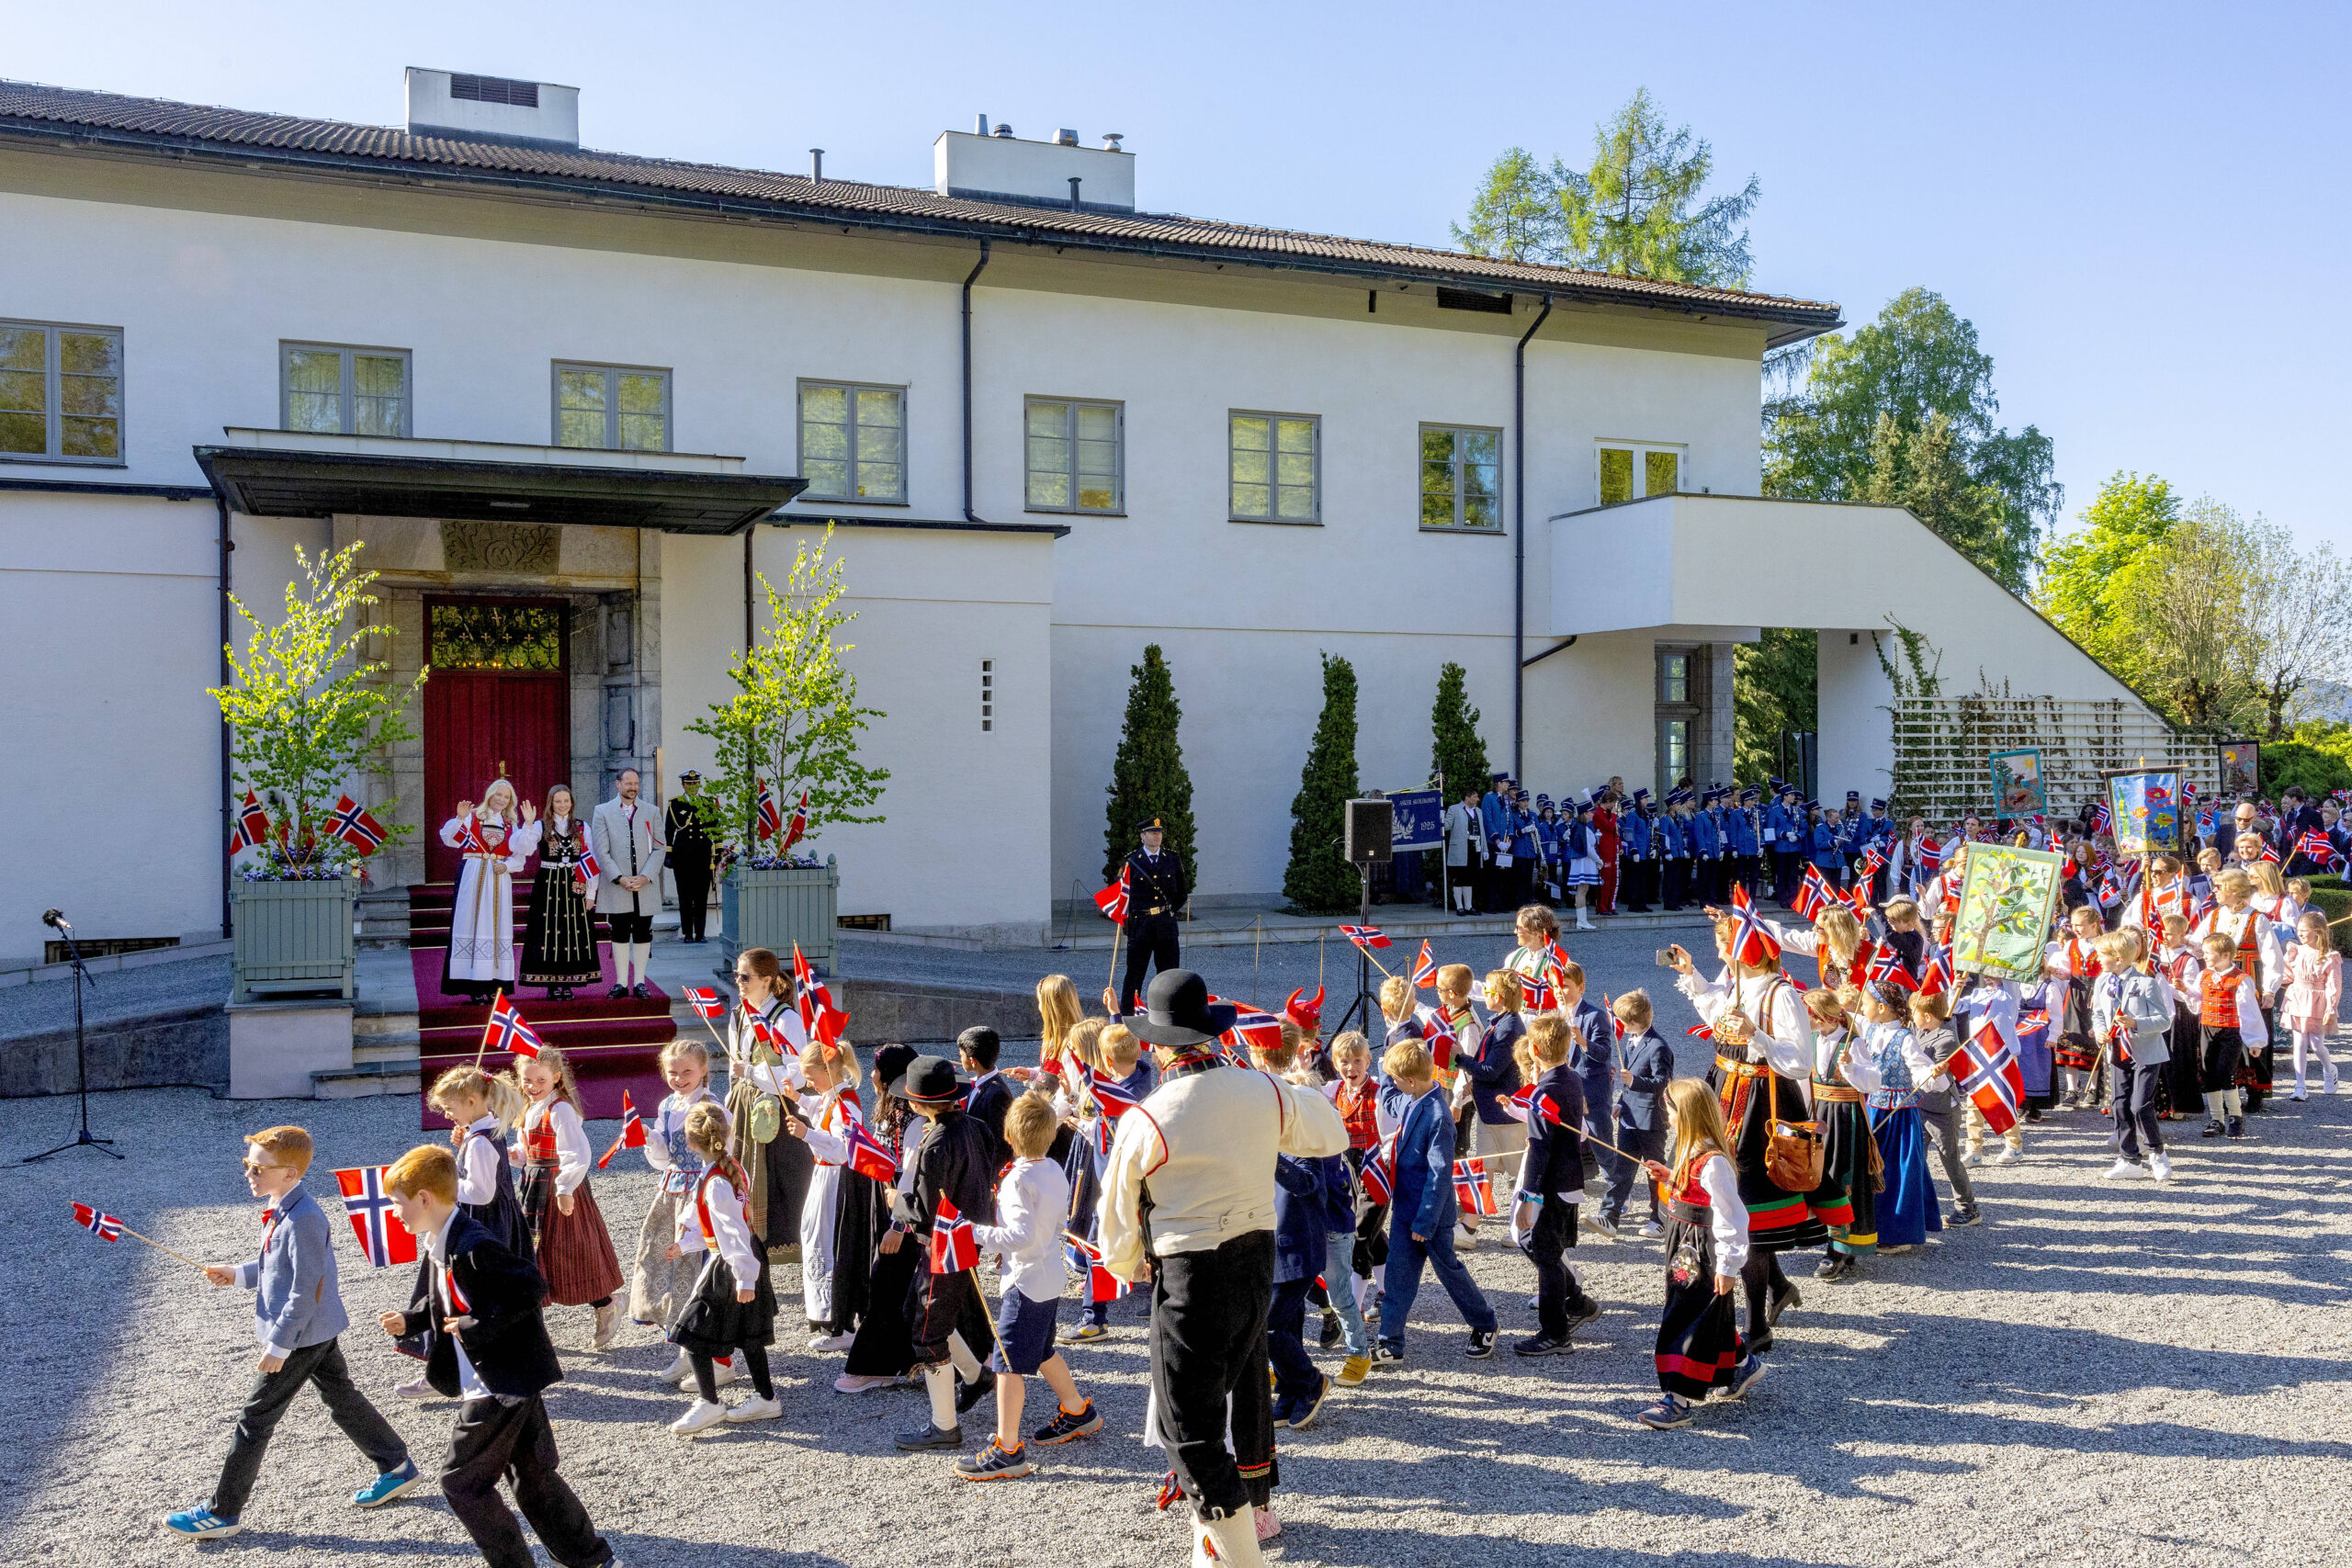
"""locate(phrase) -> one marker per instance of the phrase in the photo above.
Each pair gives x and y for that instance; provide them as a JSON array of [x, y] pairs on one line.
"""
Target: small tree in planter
[[1319, 879], [792, 725]]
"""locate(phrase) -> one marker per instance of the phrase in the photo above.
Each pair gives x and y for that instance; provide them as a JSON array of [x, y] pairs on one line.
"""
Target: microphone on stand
[[56, 917]]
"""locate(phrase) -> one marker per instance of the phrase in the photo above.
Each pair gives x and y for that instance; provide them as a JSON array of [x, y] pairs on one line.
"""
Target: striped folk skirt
[[1698, 1338], [1777, 1220], [575, 1250], [1845, 1202]]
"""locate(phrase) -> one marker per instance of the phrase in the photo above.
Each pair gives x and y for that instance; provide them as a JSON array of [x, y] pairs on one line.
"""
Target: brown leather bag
[[1793, 1150]]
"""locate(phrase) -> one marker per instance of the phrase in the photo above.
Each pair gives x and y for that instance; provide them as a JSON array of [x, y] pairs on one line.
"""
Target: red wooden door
[[498, 707]]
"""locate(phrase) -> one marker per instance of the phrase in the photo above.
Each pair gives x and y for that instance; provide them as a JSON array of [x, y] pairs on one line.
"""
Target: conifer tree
[[1457, 757], [1319, 877], [1147, 777]]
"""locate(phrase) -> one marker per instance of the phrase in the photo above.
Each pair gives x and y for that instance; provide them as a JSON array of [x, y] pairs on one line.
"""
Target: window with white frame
[[343, 391], [1461, 477], [1630, 471], [853, 442], [1076, 453], [61, 392], [1274, 467], [618, 407]]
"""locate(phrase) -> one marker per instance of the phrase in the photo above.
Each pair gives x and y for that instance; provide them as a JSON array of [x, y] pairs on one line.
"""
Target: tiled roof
[[31, 109]]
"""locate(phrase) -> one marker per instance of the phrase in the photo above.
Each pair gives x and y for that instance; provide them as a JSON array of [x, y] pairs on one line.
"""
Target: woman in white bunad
[[504, 832]]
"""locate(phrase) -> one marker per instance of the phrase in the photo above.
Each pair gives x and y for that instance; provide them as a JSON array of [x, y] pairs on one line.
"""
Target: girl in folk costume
[[733, 1306], [2072, 966], [765, 1037], [1699, 1348], [575, 1250], [2272, 904], [1081, 1048], [828, 1102], [1888, 1065], [1847, 1200], [1580, 851], [561, 949], [2132, 1013], [1834, 944], [2228, 1014], [1610, 846], [1763, 1072], [868, 1283], [1538, 930], [494, 840], [2258, 953], [479, 1106], [2179, 961], [662, 1282], [2315, 990]]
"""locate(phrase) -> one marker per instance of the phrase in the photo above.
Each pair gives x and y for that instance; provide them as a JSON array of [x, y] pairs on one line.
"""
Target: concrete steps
[[383, 1059]]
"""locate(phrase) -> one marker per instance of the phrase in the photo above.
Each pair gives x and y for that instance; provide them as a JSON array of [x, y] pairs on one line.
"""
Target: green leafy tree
[[1458, 756], [308, 712], [1921, 469], [1319, 877], [794, 719], [1917, 360], [1515, 216], [1637, 208], [2080, 583], [1147, 777], [1775, 689]]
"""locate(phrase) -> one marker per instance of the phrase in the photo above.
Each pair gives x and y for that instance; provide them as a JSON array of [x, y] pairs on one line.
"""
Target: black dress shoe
[[641, 991], [1780, 1303], [617, 992], [929, 1438], [971, 1393]]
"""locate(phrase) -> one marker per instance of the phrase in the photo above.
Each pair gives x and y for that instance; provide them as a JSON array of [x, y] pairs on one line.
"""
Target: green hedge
[[2330, 893]]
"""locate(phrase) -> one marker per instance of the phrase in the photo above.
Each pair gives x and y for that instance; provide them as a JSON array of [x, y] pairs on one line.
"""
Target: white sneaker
[[831, 1344], [724, 1372], [2123, 1168], [700, 1417], [683, 1367], [2160, 1166], [754, 1409], [1465, 1239], [1971, 1157], [2010, 1155], [417, 1388]]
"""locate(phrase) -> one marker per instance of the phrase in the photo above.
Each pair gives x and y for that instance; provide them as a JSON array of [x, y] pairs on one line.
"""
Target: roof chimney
[[998, 166], [456, 105]]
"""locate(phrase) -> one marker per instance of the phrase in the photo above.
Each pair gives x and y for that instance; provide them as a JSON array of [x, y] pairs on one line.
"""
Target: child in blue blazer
[[298, 1315], [1422, 1207], [1645, 1065]]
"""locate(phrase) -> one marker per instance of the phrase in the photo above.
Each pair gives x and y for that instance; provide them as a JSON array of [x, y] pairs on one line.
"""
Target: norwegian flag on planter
[[508, 1031], [254, 820], [383, 1240], [1113, 900], [869, 1158], [1365, 937], [105, 1227], [771, 817], [632, 1131], [352, 824], [1424, 967], [797, 826], [953, 1247]]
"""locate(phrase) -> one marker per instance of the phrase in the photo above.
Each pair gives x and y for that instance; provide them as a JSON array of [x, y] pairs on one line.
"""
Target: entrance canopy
[[295, 474]]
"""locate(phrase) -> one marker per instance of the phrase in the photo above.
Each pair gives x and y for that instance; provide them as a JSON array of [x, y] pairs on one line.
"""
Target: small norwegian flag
[[632, 1131], [1938, 979], [1108, 1093], [1424, 968], [1474, 1189], [1365, 937], [1814, 895], [1931, 855], [1380, 1172], [1252, 1029], [1437, 1033], [352, 824], [1990, 1075], [1536, 996], [1113, 900], [2314, 845], [953, 1247], [705, 1000], [1751, 943], [1102, 1285], [2102, 819], [1886, 967], [587, 870], [1873, 862], [105, 1227], [383, 1240], [820, 1017], [771, 817], [869, 1158], [803, 975], [1521, 1098], [797, 826], [508, 1031], [254, 818], [471, 839]]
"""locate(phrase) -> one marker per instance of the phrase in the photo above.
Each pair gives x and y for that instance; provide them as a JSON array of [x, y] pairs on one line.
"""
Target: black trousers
[[1208, 1372], [1152, 939], [2132, 1096], [790, 1168], [1555, 1289], [1643, 1142], [320, 1364], [693, 898], [1295, 1373], [494, 1439], [1788, 869], [630, 927]]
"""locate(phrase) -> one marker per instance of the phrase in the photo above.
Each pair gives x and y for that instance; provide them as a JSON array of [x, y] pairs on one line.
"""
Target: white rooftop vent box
[[996, 165], [491, 109]]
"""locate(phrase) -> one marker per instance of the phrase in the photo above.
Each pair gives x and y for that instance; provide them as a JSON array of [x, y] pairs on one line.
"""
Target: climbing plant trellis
[[1941, 744]]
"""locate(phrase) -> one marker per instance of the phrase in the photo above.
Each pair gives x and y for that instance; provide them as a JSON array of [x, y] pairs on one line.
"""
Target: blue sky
[[2143, 209]]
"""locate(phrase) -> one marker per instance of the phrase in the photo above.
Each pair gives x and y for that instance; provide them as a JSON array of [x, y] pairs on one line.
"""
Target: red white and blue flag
[[1887, 968], [1380, 1172], [953, 1247], [1253, 1029], [1113, 900], [1437, 1033], [1752, 943], [632, 1131], [254, 818], [508, 1031], [105, 1227], [383, 1240], [1424, 968], [352, 824], [1536, 996], [797, 826], [1102, 1285], [1987, 1070], [1931, 855], [1938, 979], [1365, 937], [2315, 846], [869, 1158], [1814, 895], [705, 1000], [587, 870], [1473, 1189], [771, 817], [2102, 819]]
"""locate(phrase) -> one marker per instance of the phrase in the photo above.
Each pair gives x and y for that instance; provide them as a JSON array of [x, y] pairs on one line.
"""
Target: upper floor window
[[1629, 471], [1461, 478], [345, 391], [61, 392], [1074, 457], [853, 442], [617, 407], [1274, 467]]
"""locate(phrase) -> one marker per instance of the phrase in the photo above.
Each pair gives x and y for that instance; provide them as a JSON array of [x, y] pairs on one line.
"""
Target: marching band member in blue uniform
[[1746, 841], [1674, 848], [1821, 844], [1784, 831], [1638, 875], [1706, 849]]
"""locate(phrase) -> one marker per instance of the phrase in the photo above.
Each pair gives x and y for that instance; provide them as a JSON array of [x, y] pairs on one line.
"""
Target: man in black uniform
[[1157, 889], [689, 856]]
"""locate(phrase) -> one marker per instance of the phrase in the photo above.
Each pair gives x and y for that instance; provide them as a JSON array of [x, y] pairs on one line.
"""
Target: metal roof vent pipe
[[816, 166], [1111, 140], [1074, 183], [979, 125], [1065, 137], [1004, 130]]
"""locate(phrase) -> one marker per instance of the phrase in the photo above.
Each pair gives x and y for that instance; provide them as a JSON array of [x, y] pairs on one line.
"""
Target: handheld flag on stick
[[587, 871], [1380, 1172], [1814, 894], [1113, 900], [1424, 968], [953, 1247], [1365, 937], [1886, 967], [1986, 1067], [632, 1131], [105, 1227], [1474, 1189], [383, 1240], [1437, 1033], [1752, 943], [869, 1158], [508, 1031]]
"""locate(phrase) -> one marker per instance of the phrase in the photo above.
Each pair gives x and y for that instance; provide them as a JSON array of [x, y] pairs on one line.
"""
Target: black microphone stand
[[80, 1058]]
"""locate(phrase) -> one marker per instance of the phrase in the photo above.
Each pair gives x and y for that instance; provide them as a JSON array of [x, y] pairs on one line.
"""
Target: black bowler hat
[[890, 1065], [1177, 1011], [930, 1080]]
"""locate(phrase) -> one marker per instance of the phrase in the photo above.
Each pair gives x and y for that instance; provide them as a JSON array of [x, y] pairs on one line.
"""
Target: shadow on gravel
[[1395, 1544]]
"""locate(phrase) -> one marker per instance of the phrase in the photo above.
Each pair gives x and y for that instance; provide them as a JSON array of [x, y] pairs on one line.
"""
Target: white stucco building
[[571, 398]]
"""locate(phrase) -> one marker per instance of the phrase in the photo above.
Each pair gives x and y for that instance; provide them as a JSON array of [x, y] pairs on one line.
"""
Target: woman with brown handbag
[[1762, 1075]]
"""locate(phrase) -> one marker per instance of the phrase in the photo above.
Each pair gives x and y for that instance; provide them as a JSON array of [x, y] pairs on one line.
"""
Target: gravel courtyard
[[2100, 1373]]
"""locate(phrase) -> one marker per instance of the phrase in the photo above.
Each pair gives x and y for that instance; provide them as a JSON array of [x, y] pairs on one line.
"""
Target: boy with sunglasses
[[298, 1314]]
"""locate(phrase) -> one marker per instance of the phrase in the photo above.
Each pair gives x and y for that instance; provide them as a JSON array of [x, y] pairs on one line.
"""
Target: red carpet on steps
[[612, 1043]]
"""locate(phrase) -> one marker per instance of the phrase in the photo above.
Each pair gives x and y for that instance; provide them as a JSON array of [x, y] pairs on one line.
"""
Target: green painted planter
[[294, 938], [778, 907]]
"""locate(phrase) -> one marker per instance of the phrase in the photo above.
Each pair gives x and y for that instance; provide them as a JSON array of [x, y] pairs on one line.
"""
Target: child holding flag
[[1031, 1203], [828, 1101], [298, 1316], [1551, 1186], [1699, 1347], [574, 1249], [952, 1168], [1425, 1206], [662, 1282], [734, 1306]]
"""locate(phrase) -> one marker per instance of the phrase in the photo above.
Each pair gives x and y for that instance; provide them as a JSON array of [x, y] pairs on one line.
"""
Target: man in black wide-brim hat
[[1202, 1159]]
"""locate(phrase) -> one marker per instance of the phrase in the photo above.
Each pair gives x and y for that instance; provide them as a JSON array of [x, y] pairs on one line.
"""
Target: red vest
[[2218, 998]]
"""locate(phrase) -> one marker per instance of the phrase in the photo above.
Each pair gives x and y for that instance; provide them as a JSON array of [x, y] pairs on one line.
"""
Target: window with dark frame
[[336, 390], [612, 407], [853, 442], [61, 392]]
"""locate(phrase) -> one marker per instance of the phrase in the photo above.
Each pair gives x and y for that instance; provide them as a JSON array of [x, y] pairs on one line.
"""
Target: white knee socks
[[939, 1384], [633, 966]]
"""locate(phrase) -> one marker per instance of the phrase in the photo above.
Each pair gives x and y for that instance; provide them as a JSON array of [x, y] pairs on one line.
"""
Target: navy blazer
[[1650, 1060], [1422, 1196], [1494, 1076], [1556, 1117], [986, 1104], [1593, 1055], [507, 1340], [1313, 1198]]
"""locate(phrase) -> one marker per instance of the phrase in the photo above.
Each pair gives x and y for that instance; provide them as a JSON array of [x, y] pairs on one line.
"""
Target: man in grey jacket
[[630, 855], [297, 1312]]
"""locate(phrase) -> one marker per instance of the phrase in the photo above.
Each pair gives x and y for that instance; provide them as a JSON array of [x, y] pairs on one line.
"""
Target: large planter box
[[776, 909], [294, 938]]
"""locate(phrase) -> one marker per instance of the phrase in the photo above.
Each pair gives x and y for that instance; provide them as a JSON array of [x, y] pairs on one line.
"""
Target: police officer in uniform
[[1157, 890], [689, 856]]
